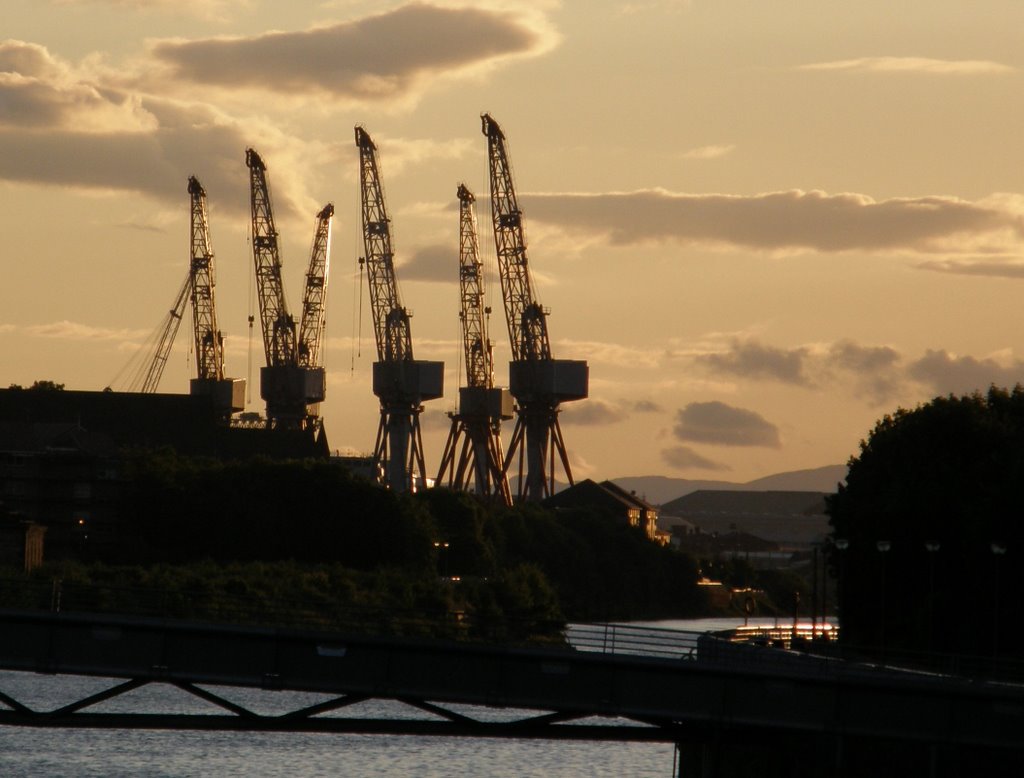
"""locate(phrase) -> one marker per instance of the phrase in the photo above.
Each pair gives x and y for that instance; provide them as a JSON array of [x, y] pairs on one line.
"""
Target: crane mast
[[400, 382], [391, 328], [208, 340], [155, 369], [314, 301], [538, 382], [291, 388], [277, 324], [228, 394], [477, 464]]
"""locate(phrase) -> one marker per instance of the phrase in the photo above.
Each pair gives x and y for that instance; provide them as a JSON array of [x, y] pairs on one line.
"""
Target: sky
[[763, 225]]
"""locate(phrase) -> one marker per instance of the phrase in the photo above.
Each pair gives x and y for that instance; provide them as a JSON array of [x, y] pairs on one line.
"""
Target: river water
[[141, 753]]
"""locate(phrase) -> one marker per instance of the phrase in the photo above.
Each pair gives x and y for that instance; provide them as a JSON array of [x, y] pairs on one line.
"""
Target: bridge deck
[[732, 691]]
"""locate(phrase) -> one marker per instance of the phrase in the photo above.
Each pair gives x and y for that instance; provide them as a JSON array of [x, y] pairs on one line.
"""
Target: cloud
[[724, 425], [751, 359], [59, 127], [915, 65], [382, 57], [647, 406], [857, 358], [211, 9], [1011, 268], [435, 419], [39, 91], [947, 373], [708, 152], [685, 458], [785, 221], [876, 371], [593, 413], [431, 263], [614, 354], [396, 154], [76, 331]]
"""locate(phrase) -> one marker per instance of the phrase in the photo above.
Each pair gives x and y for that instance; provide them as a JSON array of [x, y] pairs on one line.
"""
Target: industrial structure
[[293, 383], [148, 379], [538, 382], [401, 382], [477, 464], [228, 394]]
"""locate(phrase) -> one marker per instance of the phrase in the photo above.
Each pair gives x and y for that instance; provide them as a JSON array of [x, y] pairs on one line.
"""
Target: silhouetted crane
[[478, 464], [293, 382], [538, 382], [401, 382], [228, 394]]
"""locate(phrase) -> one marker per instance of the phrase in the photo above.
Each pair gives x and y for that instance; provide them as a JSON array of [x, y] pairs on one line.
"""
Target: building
[[61, 477], [61, 454], [610, 498], [766, 528]]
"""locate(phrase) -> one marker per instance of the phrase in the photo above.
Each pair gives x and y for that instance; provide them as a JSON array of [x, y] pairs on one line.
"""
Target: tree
[[927, 531]]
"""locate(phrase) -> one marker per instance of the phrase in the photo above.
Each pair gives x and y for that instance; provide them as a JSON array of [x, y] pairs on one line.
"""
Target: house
[[21, 544], [611, 498]]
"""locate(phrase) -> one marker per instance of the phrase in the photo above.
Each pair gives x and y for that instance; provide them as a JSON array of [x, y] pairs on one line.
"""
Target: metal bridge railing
[[638, 641]]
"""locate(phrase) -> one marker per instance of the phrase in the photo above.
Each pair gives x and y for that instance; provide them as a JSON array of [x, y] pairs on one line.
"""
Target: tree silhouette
[[927, 531]]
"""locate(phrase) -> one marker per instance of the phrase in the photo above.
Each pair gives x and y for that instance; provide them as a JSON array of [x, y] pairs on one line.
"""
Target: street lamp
[[442, 552], [931, 546], [883, 547], [841, 545], [998, 549]]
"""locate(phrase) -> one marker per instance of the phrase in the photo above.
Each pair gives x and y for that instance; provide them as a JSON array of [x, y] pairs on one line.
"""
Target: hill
[[658, 489]]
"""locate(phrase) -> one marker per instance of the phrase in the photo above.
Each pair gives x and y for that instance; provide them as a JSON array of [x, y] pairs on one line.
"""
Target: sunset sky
[[763, 224]]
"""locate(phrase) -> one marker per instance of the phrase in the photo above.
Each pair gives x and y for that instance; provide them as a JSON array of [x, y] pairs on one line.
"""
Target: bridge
[[705, 694]]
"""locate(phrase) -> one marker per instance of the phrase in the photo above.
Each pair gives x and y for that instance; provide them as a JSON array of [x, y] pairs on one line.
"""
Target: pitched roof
[[591, 493], [630, 496]]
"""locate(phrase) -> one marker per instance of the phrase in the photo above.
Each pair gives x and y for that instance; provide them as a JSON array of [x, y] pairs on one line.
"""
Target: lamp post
[[883, 547], [841, 545], [998, 549], [442, 553], [931, 546]]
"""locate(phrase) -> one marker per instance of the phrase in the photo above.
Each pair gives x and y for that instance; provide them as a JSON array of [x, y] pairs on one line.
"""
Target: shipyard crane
[[477, 464], [228, 394], [538, 382], [314, 300], [401, 382], [147, 382], [293, 383]]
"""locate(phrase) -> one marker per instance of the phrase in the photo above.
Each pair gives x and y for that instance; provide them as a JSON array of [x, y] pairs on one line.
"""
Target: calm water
[[116, 753]]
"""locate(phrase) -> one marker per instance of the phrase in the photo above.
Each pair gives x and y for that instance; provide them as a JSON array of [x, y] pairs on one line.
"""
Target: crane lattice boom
[[208, 339], [155, 369], [399, 381], [390, 319], [314, 301], [527, 325], [538, 382], [479, 356], [278, 324]]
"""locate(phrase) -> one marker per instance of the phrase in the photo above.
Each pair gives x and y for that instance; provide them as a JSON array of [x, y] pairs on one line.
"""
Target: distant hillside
[[660, 489]]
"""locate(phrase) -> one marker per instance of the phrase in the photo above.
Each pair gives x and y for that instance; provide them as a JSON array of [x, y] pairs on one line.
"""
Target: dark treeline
[[927, 530], [387, 549]]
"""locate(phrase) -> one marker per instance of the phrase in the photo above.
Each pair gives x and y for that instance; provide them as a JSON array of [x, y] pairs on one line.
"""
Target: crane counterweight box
[[409, 378], [560, 379], [484, 402], [286, 383], [228, 394]]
